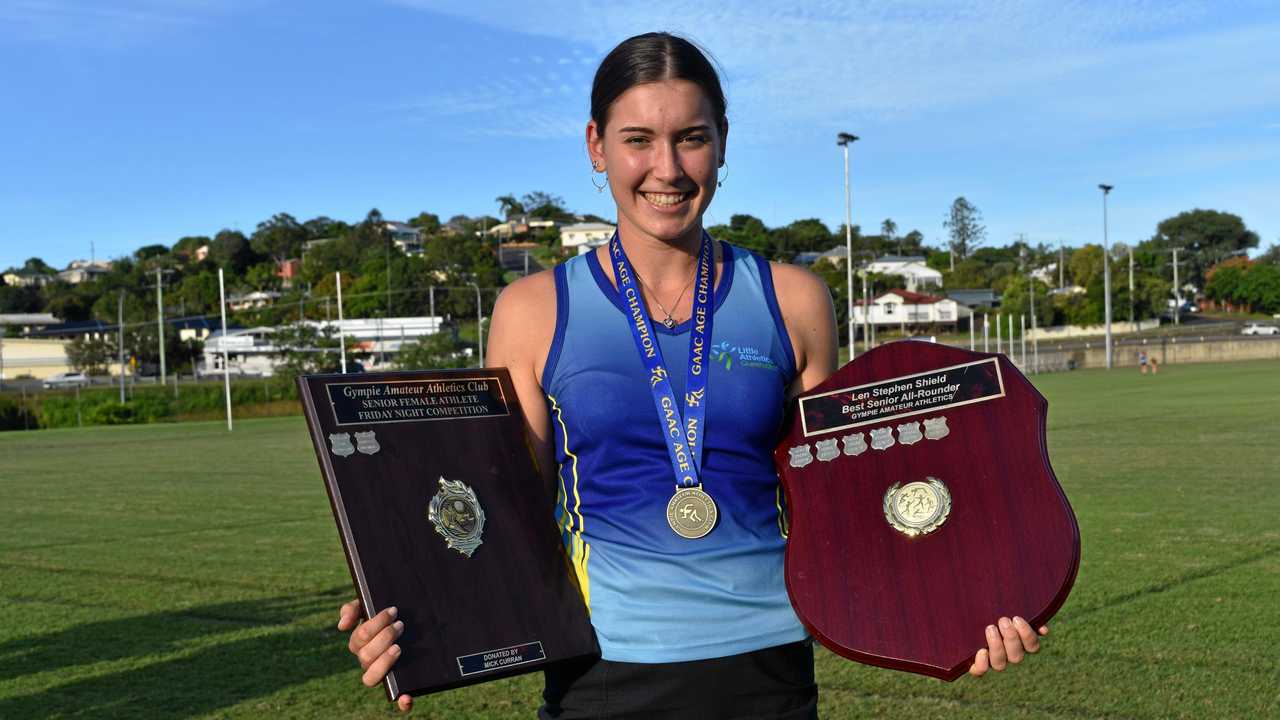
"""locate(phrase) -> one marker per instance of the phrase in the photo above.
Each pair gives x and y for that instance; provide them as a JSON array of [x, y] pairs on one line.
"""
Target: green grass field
[[176, 570]]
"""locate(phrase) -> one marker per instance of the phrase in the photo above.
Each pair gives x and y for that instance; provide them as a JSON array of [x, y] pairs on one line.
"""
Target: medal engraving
[[855, 444], [917, 508], [936, 428], [456, 514], [340, 444], [827, 450], [882, 438], [367, 443], [800, 456], [909, 433], [691, 513]]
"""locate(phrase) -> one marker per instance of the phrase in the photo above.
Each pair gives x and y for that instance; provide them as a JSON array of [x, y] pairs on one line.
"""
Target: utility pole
[[479, 324], [342, 339], [226, 363], [1131, 328], [844, 140], [1106, 268], [1061, 264], [120, 340], [160, 321], [1035, 340], [1177, 291]]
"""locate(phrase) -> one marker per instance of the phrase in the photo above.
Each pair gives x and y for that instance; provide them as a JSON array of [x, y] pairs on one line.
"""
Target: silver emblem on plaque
[[855, 444], [917, 508], [828, 450], [800, 456], [936, 428], [456, 514], [909, 433], [367, 443], [340, 444], [881, 438]]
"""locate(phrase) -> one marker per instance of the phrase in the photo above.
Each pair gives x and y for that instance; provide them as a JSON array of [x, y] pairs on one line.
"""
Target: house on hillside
[[975, 297], [581, 237], [904, 307], [404, 236], [911, 268], [19, 278], [523, 224], [254, 300], [84, 270]]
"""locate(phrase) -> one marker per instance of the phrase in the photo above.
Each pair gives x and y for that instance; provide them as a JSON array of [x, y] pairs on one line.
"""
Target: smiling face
[[661, 148]]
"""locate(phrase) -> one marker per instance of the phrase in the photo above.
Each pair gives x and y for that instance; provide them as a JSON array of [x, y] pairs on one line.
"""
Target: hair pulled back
[[654, 57]]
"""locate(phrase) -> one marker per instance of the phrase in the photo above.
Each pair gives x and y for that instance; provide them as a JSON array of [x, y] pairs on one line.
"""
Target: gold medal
[[691, 513]]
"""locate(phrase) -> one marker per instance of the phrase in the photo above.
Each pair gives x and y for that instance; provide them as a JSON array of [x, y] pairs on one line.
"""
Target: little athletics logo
[[730, 356]]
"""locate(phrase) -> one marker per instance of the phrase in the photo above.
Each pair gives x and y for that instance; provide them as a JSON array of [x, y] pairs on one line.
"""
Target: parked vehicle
[[1259, 329], [66, 380]]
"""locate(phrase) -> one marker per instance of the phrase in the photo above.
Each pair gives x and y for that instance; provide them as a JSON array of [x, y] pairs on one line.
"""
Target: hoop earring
[[720, 181], [599, 188]]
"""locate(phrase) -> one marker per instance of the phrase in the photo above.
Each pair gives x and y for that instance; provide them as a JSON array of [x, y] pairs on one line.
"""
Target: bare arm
[[524, 323], [810, 318]]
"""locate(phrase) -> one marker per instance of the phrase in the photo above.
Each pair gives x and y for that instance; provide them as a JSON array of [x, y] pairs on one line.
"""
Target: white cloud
[[866, 62]]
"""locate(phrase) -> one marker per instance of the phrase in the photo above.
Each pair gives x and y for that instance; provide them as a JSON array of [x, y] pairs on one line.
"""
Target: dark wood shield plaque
[[442, 514], [923, 507]]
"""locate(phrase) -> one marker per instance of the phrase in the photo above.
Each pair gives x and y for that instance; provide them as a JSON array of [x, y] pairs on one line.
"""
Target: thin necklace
[[668, 321]]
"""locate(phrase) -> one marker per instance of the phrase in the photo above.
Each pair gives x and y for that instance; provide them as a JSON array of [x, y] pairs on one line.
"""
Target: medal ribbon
[[682, 427]]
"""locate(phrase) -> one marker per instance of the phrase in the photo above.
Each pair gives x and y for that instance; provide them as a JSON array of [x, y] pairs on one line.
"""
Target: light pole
[[1106, 268], [479, 323], [844, 140]]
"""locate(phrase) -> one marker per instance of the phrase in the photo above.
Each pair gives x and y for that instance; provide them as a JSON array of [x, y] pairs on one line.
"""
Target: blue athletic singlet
[[654, 596]]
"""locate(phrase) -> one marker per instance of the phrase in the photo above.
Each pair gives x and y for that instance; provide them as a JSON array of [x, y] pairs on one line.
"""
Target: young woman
[[653, 374]]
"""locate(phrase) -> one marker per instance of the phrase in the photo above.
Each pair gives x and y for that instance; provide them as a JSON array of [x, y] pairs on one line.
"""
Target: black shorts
[[771, 684]]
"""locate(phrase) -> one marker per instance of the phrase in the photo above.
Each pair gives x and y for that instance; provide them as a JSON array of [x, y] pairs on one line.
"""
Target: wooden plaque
[[923, 507], [442, 514]]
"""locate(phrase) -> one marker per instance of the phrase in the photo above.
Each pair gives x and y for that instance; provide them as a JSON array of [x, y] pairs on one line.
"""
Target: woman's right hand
[[373, 642]]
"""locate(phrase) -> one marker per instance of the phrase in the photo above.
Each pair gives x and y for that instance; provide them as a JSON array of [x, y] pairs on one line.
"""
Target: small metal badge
[[881, 438], [340, 444], [456, 514], [367, 443], [936, 428], [800, 456], [855, 444], [917, 508], [909, 433], [828, 450]]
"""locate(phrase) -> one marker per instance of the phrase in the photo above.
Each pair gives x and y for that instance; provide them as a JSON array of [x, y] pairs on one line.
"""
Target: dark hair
[[654, 57]]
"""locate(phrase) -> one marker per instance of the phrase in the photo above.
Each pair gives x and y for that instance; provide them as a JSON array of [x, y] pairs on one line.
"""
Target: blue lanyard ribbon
[[683, 429]]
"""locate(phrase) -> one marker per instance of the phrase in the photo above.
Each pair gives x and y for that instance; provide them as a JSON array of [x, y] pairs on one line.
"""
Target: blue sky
[[131, 122]]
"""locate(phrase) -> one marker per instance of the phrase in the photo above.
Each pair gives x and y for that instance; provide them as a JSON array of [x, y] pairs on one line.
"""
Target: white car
[[66, 380], [1260, 329]]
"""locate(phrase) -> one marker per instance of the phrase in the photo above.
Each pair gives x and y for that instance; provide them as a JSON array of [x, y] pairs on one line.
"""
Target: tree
[[434, 351], [746, 231], [186, 246], [1204, 238], [1016, 300], [1085, 264], [230, 250], [147, 252], [964, 225], [508, 207], [806, 235], [307, 348], [428, 223], [544, 205], [1271, 256], [279, 238], [889, 233]]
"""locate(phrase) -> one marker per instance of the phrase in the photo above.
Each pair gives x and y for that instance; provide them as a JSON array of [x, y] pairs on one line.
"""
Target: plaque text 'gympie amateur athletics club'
[[443, 515], [388, 401]]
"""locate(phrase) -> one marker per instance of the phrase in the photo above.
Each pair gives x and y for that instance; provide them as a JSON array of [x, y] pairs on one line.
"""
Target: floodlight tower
[[844, 140], [1106, 268]]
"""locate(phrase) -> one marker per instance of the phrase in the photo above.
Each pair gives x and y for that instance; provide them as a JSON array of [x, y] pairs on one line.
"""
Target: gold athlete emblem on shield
[[917, 508]]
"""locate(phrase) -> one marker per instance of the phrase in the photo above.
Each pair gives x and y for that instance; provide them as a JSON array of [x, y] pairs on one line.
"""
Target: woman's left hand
[[1008, 641]]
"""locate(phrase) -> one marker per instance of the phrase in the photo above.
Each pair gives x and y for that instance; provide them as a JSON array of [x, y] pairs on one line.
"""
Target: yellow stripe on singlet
[[579, 549]]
